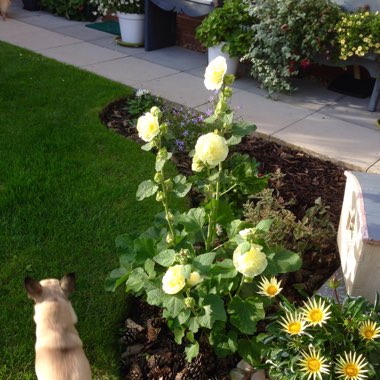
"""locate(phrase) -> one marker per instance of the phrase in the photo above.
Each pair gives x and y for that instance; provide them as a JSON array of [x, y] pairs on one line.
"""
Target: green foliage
[[187, 263], [71, 9], [308, 234], [340, 333], [104, 7], [141, 102], [230, 23], [287, 35]]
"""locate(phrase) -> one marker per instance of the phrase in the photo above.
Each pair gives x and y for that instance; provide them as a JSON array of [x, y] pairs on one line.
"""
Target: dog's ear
[[68, 284], [33, 287]]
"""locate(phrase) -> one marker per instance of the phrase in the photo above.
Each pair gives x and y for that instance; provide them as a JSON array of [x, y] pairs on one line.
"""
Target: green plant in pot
[[229, 27]]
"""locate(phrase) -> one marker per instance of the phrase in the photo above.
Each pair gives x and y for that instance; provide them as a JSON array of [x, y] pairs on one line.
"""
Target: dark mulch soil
[[306, 179]]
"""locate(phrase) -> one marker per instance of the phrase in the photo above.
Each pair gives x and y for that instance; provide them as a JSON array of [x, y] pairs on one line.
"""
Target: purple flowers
[[180, 145]]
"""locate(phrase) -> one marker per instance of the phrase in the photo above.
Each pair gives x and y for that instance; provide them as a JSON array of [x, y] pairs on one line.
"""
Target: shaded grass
[[67, 189]]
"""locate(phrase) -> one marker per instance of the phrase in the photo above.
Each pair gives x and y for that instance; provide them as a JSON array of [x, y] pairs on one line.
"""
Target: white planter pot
[[131, 27], [232, 63]]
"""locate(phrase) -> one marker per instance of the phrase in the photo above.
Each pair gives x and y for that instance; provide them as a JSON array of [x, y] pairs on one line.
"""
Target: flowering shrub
[[323, 340], [198, 266], [359, 33], [288, 34], [103, 7]]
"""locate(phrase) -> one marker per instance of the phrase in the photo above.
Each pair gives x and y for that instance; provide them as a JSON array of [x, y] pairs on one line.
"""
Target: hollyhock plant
[[195, 265]]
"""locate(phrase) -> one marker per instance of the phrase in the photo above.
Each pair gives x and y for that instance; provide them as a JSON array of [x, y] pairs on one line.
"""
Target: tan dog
[[59, 352], [4, 5]]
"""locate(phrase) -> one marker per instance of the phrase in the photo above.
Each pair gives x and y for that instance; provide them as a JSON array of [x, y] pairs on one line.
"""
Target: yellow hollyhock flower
[[211, 149], [269, 288], [173, 280], [313, 364], [251, 263], [316, 313], [148, 127], [293, 324], [194, 279], [214, 73], [369, 330], [351, 367]]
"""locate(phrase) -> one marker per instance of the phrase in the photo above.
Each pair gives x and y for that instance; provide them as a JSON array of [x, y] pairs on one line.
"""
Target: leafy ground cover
[[67, 189]]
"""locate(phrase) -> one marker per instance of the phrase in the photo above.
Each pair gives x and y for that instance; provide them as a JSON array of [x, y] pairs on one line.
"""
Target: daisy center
[[369, 334], [351, 370], [313, 365], [294, 327], [272, 290], [316, 315]]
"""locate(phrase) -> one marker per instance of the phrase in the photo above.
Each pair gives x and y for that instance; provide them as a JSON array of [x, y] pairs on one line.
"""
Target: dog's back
[[4, 5], [59, 352]]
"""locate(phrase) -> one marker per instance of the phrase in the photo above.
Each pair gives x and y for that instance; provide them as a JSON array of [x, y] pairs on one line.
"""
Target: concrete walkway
[[319, 121]]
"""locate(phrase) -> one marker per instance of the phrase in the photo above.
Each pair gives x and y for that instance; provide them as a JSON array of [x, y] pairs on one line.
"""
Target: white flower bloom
[[194, 279], [214, 73], [173, 280], [211, 149], [148, 127], [251, 263]]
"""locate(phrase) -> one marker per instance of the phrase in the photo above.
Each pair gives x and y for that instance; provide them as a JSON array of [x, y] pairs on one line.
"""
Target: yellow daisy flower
[[293, 324], [313, 364], [316, 313], [351, 367], [369, 330], [269, 288]]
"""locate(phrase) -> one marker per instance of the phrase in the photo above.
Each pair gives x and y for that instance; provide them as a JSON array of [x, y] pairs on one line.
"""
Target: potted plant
[[131, 17], [226, 31]]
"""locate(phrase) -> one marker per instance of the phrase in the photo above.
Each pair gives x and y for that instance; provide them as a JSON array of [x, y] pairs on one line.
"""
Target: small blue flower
[[180, 145], [185, 132]]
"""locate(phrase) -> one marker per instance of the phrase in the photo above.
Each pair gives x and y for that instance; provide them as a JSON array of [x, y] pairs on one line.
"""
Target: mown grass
[[67, 189]]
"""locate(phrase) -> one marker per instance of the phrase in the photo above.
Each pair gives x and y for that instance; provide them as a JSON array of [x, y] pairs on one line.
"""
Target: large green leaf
[[224, 211], [192, 351], [165, 258], [115, 279], [174, 303], [180, 186], [244, 314], [144, 249], [203, 262], [224, 343], [242, 129], [136, 280], [285, 261], [264, 225], [146, 189], [155, 296], [250, 350], [194, 220], [160, 161], [212, 310], [124, 242], [225, 269]]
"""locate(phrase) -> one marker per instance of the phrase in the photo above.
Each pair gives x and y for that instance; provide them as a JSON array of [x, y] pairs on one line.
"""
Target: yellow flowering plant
[[322, 339], [195, 265], [358, 34]]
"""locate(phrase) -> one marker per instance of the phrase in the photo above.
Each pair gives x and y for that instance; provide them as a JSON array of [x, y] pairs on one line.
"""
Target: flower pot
[[131, 27], [232, 63], [31, 5]]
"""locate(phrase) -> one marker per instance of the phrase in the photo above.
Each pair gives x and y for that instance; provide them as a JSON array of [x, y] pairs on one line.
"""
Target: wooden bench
[[160, 19]]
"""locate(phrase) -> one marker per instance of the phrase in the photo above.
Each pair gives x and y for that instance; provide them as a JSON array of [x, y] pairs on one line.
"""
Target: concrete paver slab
[[46, 20], [342, 142], [10, 28], [86, 34], [175, 57], [109, 42], [182, 88], [311, 94], [130, 70], [37, 39], [268, 115], [353, 110], [82, 54]]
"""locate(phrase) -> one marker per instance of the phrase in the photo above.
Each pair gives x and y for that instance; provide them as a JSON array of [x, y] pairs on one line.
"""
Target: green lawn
[[67, 189]]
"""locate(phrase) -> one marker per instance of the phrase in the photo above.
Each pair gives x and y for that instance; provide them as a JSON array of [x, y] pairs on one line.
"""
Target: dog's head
[[50, 289]]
